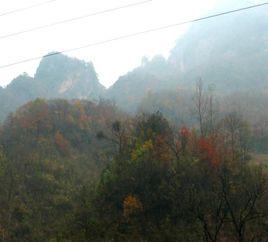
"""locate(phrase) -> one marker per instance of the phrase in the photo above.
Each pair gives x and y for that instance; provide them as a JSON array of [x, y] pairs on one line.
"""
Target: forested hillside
[[77, 171], [174, 150], [49, 152]]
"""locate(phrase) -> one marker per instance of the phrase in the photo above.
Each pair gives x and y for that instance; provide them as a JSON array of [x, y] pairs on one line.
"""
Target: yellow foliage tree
[[131, 205]]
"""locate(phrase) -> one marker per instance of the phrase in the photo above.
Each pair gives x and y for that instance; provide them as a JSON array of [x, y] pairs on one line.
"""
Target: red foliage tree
[[208, 151], [62, 144]]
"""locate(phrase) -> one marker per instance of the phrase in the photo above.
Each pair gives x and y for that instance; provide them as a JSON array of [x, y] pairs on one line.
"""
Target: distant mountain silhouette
[[150, 76], [56, 77], [229, 53]]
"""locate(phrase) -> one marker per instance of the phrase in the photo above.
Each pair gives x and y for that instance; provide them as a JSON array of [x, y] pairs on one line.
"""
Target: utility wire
[[134, 34], [73, 19], [26, 8]]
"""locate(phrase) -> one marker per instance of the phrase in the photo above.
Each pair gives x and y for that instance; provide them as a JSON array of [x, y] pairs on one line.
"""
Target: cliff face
[[64, 77]]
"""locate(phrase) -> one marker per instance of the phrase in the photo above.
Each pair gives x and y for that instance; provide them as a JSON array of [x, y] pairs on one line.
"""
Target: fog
[[125, 54]]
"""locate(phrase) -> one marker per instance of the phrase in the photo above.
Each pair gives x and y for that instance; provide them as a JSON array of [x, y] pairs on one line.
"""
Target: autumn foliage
[[131, 206], [184, 132], [79, 171], [208, 151], [62, 144]]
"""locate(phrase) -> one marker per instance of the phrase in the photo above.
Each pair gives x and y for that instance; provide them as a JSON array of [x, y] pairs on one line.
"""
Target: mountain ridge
[[229, 53], [59, 76]]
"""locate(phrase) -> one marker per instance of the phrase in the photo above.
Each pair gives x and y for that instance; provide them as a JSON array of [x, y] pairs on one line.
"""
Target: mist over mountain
[[175, 150], [65, 77], [56, 77], [17, 93], [152, 75], [229, 53]]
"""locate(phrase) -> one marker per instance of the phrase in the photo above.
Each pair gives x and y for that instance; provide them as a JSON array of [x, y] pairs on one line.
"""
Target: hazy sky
[[110, 60]]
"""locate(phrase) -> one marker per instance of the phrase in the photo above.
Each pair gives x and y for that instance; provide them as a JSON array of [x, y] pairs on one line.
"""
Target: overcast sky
[[110, 60]]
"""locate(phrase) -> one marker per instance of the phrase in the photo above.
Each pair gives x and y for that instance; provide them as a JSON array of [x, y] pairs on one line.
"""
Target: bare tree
[[200, 105], [243, 191], [237, 134]]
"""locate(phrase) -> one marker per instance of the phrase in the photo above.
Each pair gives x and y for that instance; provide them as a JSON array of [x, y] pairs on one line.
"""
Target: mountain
[[18, 92], [153, 75], [58, 76], [228, 52], [65, 77]]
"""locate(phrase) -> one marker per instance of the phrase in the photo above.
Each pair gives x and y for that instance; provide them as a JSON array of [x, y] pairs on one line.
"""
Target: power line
[[134, 34], [26, 8], [73, 19]]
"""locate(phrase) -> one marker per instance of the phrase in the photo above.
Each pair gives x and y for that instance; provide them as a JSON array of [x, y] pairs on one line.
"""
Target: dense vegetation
[[77, 171], [179, 107], [49, 151]]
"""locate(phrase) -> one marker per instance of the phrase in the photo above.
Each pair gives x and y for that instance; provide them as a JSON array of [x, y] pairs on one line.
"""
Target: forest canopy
[[77, 171]]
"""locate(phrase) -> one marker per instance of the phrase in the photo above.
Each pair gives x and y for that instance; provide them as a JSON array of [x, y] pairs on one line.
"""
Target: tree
[[200, 106]]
